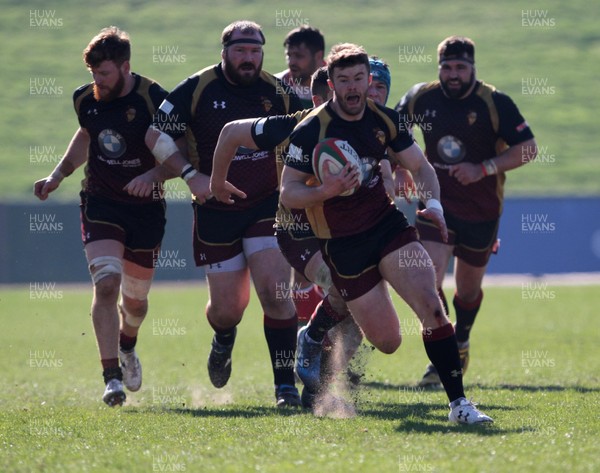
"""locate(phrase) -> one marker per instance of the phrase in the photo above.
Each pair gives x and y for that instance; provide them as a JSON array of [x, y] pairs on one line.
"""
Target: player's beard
[[301, 76], [355, 106], [461, 91], [245, 74], [107, 94]]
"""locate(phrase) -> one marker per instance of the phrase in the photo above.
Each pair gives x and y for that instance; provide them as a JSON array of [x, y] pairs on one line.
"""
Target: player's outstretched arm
[[75, 156], [388, 177], [170, 154], [426, 181], [233, 135]]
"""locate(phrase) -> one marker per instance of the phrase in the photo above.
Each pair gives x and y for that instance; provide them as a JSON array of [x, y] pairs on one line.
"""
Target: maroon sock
[[442, 350], [281, 340]]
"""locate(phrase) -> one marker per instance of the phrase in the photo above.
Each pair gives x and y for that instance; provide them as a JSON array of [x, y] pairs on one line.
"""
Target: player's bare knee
[[134, 309], [107, 289], [386, 342], [389, 345], [223, 317], [276, 303]]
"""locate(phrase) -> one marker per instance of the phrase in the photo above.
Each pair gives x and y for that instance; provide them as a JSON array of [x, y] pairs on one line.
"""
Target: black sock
[[126, 342], [323, 320], [112, 373], [281, 340], [224, 336], [442, 350], [465, 316]]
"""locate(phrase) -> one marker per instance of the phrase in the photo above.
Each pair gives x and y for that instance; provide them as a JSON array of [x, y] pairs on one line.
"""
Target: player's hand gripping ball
[[333, 154]]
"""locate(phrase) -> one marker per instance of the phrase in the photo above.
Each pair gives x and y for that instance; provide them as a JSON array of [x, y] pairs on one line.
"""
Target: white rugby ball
[[333, 154]]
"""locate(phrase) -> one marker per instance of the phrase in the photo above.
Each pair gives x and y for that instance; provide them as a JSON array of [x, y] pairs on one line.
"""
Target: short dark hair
[[318, 83], [245, 27], [111, 44], [312, 37], [346, 55], [456, 48]]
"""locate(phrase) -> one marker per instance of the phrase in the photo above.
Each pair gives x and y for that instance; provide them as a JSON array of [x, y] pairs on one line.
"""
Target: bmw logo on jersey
[[450, 149], [112, 143]]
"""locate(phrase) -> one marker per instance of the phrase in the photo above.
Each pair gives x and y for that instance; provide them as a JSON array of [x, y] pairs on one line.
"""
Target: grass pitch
[[534, 368]]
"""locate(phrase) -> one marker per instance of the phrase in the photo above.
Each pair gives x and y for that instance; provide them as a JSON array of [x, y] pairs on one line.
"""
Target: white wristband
[[188, 172], [434, 204]]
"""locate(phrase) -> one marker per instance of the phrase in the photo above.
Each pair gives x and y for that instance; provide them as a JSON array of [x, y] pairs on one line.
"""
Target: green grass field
[[534, 368], [543, 55]]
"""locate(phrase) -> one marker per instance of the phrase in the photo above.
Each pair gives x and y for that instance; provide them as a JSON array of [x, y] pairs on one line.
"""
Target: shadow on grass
[[426, 419], [233, 411], [483, 387]]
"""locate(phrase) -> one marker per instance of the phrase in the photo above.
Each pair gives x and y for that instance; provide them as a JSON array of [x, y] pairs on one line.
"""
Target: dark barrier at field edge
[[42, 242]]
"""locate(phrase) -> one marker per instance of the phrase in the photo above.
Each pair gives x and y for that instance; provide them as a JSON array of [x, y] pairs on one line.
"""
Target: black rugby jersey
[[472, 130], [370, 136], [117, 130], [202, 104]]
